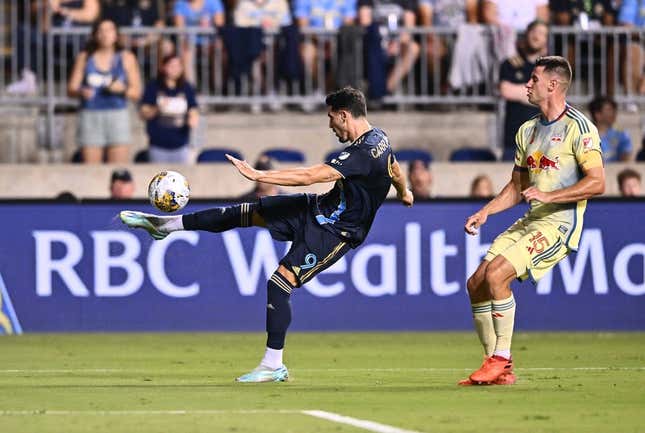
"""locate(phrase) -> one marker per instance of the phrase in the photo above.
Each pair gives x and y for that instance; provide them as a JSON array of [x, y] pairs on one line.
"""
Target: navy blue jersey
[[349, 208]]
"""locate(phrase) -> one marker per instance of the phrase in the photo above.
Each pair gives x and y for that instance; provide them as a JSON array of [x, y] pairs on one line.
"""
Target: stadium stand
[[217, 155], [285, 155], [406, 155], [470, 154]]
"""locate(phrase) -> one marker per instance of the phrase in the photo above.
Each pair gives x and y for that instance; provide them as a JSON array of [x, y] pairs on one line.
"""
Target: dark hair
[[121, 174], [161, 76], [92, 44], [598, 102], [628, 173], [349, 99], [533, 24], [557, 65]]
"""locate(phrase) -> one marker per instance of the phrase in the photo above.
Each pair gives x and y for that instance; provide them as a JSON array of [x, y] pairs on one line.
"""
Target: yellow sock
[[484, 325], [503, 321]]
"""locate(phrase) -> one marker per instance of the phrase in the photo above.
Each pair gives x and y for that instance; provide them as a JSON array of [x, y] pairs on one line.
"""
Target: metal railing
[[606, 61]]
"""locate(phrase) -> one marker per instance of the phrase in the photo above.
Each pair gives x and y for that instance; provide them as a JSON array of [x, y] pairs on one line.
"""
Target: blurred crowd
[[107, 74]]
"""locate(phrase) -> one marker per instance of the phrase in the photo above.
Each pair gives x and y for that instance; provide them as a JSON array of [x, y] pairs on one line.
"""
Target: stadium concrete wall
[[73, 267], [223, 181]]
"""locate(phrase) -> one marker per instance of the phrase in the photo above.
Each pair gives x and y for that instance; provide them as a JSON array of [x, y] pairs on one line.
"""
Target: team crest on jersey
[[537, 161], [343, 156], [587, 143]]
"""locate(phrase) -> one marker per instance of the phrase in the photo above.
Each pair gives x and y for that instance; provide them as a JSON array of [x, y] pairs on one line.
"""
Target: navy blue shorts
[[313, 248]]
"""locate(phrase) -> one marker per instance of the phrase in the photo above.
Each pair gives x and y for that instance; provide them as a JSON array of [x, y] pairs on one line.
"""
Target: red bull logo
[[539, 161]]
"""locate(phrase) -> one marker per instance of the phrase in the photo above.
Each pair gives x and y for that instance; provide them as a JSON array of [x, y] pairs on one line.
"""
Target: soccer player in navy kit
[[322, 227]]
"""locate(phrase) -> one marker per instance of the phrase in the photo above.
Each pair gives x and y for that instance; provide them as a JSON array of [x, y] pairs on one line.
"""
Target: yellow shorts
[[532, 247]]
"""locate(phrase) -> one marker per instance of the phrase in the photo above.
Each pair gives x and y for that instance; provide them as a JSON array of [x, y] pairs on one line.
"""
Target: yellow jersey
[[554, 154]]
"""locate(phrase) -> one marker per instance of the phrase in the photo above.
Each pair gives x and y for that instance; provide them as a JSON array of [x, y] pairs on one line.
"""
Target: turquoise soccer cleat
[[144, 221], [265, 374]]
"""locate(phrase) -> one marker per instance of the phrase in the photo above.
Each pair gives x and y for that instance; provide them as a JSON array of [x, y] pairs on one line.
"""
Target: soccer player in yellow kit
[[558, 166]]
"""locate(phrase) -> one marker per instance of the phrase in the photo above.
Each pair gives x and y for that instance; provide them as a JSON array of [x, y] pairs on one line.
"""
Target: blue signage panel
[[74, 267]]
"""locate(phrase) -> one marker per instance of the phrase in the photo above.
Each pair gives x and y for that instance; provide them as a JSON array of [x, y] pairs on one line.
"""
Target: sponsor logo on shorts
[[310, 261]]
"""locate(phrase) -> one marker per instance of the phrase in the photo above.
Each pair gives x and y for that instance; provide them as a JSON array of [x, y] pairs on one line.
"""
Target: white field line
[[314, 370], [328, 416], [355, 422]]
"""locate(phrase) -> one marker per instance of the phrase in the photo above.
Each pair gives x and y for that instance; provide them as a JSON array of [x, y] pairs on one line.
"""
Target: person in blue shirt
[[169, 107], [632, 14], [104, 78], [321, 227], [616, 144]]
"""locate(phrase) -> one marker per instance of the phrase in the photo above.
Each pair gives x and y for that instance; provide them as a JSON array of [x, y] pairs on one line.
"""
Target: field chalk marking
[[328, 416], [355, 422]]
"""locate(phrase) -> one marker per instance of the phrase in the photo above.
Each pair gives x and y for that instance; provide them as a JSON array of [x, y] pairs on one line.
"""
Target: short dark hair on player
[[598, 102], [628, 173], [557, 65], [348, 98]]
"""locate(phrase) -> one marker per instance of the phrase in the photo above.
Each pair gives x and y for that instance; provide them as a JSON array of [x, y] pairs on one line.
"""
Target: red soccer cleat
[[507, 378], [492, 369]]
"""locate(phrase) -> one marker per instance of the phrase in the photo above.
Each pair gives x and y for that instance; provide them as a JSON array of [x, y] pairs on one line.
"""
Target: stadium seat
[[472, 154], [142, 156], [285, 155], [640, 156], [77, 157], [217, 155], [407, 155], [331, 155]]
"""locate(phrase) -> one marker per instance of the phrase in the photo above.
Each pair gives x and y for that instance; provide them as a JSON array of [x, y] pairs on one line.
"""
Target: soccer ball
[[168, 191]]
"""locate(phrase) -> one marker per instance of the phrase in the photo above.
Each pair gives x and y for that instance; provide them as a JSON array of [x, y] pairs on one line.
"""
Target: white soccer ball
[[169, 191]]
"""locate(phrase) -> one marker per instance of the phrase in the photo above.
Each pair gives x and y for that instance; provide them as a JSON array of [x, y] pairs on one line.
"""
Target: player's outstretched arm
[[401, 186], [507, 198], [320, 173]]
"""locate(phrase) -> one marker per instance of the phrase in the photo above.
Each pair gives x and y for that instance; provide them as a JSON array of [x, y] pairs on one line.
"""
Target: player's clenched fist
[[474, 222]]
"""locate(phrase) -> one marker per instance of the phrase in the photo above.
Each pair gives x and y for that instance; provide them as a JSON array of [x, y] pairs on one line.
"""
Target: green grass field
[[137, 382]]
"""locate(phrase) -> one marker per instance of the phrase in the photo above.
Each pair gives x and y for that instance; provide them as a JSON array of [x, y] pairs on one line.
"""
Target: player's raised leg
[[215, 220], [499, 274], [278, 319]]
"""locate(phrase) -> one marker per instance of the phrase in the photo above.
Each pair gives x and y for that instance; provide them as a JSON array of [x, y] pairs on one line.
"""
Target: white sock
[[171, 223], [503, 353], [272, 358]]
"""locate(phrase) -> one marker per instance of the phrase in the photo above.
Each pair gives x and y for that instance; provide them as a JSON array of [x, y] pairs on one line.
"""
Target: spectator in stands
[[137, 13], [31, 34], [629, 183], [481, 187], [616, 144], [261, 189], [68, 13], [121, 185], [584, 14], [169, 107], [515, 14], [270, 15], [197, 13], [104, 77], [66, 197], [321, 15], [420, 179], [389, 18], [444, 13], [631, 15], [514, 73]]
